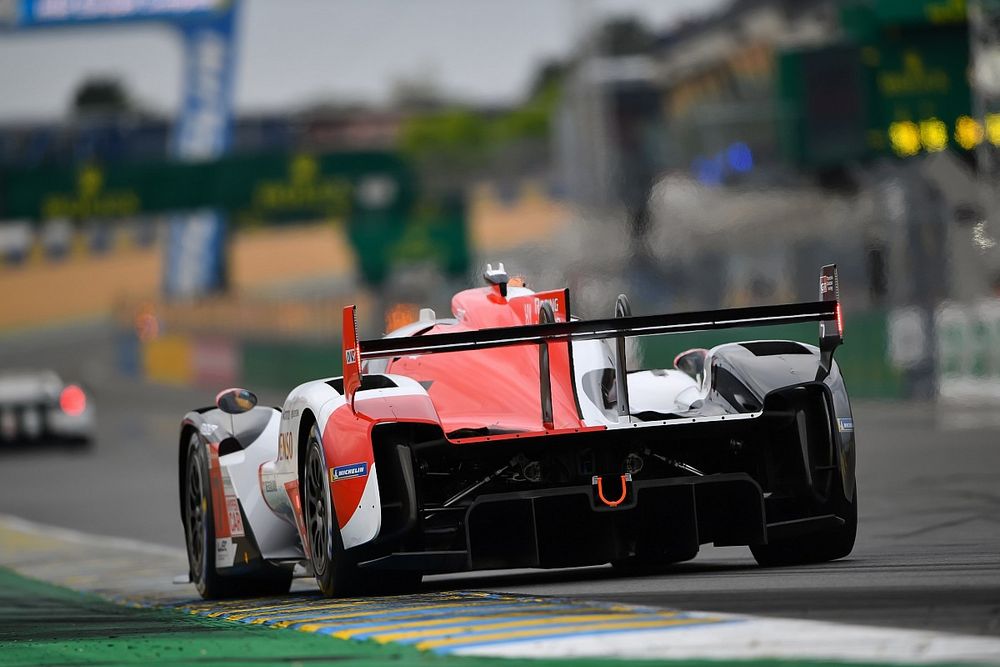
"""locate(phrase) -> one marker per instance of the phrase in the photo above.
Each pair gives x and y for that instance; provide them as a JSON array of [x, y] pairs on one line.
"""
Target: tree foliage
[[463, 136], [101, 95], [459, 136], [625, 36]]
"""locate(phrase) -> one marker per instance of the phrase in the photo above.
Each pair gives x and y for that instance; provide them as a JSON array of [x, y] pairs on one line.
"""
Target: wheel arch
[[306, 422], [187, 430]]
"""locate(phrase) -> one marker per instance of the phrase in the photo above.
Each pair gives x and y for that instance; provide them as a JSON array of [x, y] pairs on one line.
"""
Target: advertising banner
[[195, 263]]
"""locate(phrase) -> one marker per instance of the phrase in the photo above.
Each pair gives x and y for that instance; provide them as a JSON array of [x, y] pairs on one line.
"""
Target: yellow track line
[[578, 619], [215, 611], [238, 614], [242, 608], [263, 616], [313, 624], [430, 623]]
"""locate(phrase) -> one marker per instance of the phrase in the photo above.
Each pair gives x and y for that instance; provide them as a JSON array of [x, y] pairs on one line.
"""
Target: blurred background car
[[37, 407]]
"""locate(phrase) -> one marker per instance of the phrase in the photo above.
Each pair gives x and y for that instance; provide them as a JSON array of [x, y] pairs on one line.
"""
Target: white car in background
[[39, 407]]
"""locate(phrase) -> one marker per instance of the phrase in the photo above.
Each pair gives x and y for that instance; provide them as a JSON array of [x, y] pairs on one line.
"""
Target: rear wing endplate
[[826, 311], [831, 332]]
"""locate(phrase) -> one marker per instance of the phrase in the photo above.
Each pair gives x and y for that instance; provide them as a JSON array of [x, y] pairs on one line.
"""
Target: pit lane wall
[[214, 362], [272, 362]]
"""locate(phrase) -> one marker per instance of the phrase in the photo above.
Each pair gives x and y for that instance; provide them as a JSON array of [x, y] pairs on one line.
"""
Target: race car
[[514, 435], [38, 407]]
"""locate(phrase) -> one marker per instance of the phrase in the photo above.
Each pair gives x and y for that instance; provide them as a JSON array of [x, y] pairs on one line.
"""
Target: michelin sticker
[[846, 424], [349, 471]]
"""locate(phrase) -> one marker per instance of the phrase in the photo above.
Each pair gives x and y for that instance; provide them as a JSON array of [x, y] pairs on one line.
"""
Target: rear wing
[[826, 311]]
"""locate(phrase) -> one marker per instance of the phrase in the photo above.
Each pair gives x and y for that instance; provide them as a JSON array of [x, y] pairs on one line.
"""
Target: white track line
[[70, 535], [762, 638]]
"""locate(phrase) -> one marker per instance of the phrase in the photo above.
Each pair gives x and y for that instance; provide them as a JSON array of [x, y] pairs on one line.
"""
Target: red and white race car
[[513, 435]]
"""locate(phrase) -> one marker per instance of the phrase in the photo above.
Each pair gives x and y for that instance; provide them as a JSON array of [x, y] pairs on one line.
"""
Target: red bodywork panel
[[347, 440], [497, 388], [352, 358], [219, 516]]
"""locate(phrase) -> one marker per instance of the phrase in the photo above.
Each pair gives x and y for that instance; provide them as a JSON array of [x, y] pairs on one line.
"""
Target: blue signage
[[47, 13], [196, 252], [195, 261]]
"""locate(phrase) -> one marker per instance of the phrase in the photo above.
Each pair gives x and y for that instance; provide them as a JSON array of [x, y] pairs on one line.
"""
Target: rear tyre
[[78, 443], [199, 534], [336, 573], [817, 547], [335, 568]]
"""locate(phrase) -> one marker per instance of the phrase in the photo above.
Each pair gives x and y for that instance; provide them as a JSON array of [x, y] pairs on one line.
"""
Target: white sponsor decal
[[235, 518], [225, 552], [208, 429]]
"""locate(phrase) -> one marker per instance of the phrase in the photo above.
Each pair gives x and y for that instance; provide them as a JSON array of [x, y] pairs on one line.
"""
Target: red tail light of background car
[[72, 400]]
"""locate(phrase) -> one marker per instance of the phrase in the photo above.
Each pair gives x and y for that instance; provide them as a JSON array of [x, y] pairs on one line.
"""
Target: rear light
[[840, 321], [72, 400]]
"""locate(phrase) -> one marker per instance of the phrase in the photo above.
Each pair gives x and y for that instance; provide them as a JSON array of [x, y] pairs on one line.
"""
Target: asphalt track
[[927, 557]]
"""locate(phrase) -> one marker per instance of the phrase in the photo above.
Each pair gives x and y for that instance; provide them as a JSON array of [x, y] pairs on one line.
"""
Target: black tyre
[[335, 573], [335, 568], [816, 547], [78, 443], [199, 533]]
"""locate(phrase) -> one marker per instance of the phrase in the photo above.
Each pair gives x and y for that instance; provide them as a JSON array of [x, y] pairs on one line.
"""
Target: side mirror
[[692, 363], [236, 401]]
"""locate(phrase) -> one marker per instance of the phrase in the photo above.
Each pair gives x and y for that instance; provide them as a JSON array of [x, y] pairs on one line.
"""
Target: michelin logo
[[846, 424], [348, 471]]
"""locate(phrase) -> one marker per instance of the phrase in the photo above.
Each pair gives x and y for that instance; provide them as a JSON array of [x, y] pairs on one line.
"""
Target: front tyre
[[199, 534]]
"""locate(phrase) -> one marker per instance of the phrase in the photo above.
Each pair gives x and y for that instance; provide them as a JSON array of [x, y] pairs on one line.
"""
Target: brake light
[[840, 320], [72, 400]]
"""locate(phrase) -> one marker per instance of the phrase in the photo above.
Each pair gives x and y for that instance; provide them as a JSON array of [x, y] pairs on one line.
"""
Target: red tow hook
[[598, 481]]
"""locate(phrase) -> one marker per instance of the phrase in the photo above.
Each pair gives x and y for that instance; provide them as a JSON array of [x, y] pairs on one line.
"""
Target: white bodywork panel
[[662, 391], [278, 463], [659, 390], [364, 524], [276, 535]]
